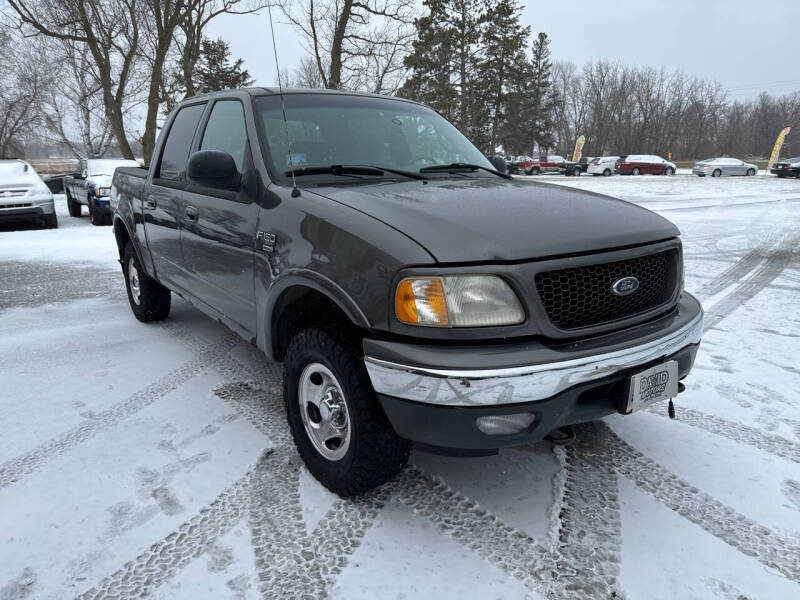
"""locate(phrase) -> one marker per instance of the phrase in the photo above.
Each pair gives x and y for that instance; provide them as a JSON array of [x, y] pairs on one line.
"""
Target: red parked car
[[643, 164], [546, 164]]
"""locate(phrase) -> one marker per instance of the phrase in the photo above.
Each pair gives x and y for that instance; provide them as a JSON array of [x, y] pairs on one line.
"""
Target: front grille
[[18, 205], [582, 296]]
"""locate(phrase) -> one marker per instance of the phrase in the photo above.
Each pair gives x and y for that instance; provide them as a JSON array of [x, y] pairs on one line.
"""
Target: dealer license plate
[[653, 385]]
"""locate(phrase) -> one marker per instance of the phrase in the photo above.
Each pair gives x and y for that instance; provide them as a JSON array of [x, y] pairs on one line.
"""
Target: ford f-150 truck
[[413, 293], [91, 185]]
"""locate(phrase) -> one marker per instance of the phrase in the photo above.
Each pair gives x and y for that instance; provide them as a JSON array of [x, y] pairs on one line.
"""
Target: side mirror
[[499, 163], [214, 169]]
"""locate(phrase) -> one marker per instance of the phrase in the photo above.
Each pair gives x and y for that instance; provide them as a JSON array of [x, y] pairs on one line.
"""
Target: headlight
[[457, 301]]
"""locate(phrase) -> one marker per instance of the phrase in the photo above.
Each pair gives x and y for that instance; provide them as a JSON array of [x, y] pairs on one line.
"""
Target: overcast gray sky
[[746, 45]]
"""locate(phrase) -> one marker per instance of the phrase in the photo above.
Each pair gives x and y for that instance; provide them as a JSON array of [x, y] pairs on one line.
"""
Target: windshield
[[333, 129]]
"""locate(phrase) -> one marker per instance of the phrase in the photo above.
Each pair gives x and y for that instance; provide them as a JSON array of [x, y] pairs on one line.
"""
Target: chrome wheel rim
[[133, 281], [324, 411]]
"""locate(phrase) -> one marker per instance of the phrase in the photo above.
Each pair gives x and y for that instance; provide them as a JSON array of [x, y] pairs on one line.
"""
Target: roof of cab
[[274, 91]]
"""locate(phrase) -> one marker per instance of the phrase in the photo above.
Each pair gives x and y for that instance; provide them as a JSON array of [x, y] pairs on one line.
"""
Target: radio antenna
[[295, 191]]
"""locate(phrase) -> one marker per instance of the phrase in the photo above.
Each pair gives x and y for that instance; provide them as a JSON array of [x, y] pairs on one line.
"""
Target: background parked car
[[602, 165], [717, 167], [512, 168], [24, 196], [787, 168], [644, 164], [546, 164], [91, 185], [569, 167]]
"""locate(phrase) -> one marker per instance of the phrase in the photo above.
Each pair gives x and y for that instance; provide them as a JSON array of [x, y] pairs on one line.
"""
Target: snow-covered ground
[[153, 460]]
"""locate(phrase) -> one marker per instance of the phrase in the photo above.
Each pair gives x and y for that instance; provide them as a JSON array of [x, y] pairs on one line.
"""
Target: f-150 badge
[[265, 241]]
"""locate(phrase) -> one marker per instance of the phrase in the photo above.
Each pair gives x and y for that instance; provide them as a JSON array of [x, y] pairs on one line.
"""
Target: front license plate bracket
[[645, 388]]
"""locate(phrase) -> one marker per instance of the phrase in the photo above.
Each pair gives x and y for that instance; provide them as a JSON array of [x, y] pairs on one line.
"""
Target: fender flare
[[314, 281], [118, 218]]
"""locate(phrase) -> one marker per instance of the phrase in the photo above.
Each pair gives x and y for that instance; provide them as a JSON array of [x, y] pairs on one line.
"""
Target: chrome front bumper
[[514, 385]]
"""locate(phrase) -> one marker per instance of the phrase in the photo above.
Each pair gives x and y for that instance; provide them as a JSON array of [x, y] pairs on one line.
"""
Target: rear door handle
[[190, 214], [151, 204]]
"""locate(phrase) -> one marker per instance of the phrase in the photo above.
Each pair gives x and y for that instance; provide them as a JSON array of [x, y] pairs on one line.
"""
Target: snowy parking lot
[[154, 460]]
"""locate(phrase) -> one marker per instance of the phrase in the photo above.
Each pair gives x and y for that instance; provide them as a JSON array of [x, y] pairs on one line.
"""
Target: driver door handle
[[190, 214]]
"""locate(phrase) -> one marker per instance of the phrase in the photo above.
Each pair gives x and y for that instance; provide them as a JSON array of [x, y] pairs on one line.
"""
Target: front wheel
[[751, 172], [73, 206], [576, 171], [337, 424], [149, 300], [669, 171], [636, 171], [607, 173], [51, 221]]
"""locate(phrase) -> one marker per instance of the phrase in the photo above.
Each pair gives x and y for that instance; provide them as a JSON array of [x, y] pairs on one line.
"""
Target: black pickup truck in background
[[413, 293]]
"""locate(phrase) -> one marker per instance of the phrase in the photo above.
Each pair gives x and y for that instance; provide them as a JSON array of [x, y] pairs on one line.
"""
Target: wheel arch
[[298, 302]]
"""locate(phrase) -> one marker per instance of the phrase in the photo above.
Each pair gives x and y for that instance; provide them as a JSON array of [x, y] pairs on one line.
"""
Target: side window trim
[[201, 130], [181, 183]]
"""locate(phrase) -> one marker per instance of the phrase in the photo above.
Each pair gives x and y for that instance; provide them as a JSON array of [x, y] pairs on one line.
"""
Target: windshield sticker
[[296, 160]]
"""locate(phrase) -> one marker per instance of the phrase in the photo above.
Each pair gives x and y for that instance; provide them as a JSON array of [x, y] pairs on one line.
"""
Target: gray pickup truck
[[412, 292]]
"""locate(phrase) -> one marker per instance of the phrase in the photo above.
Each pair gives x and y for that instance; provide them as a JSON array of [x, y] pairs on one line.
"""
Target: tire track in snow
[[16, 468], [140, 576], [738, 432], [748, 289], [740, 268], [292, 562], [775, 550], [463, 519]]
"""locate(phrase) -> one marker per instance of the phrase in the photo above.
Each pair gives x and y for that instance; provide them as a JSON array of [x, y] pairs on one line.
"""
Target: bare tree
[[355, 44], [21, 87], [127, 39], [111, 31], [71, 107]]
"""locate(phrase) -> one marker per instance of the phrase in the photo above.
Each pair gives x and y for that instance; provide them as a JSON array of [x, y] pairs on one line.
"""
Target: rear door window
[[175, 154], [226, 130]]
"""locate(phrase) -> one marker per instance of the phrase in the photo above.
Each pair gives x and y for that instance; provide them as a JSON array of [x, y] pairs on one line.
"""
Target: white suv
[[23, 194], [602, 165]]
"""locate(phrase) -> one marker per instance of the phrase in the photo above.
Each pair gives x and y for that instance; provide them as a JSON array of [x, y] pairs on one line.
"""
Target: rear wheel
[[716, 173], [73, 206], [337, 424], [636, 171], [607, 173], [149, 300], [751, 172], [576, 171]]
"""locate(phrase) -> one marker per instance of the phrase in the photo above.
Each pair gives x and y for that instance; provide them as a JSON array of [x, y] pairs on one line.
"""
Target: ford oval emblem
[[625, 286]]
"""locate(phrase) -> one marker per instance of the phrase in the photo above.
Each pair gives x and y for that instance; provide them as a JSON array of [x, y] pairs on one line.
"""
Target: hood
[[490, 219], [100, 180]]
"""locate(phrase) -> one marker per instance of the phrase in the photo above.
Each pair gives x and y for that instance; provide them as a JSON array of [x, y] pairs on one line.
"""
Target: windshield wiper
[[353, 170], [460, 165]]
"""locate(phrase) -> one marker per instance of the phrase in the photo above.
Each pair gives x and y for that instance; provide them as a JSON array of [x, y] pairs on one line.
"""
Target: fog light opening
[[505, 424]]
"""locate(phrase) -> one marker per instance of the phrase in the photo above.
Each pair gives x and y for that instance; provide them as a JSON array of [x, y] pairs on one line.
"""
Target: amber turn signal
[[421, 302]]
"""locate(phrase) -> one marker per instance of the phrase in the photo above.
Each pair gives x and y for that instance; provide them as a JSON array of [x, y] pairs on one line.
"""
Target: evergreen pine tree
[[445, 60], [504, 70], [542, 97], [214, 72]]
